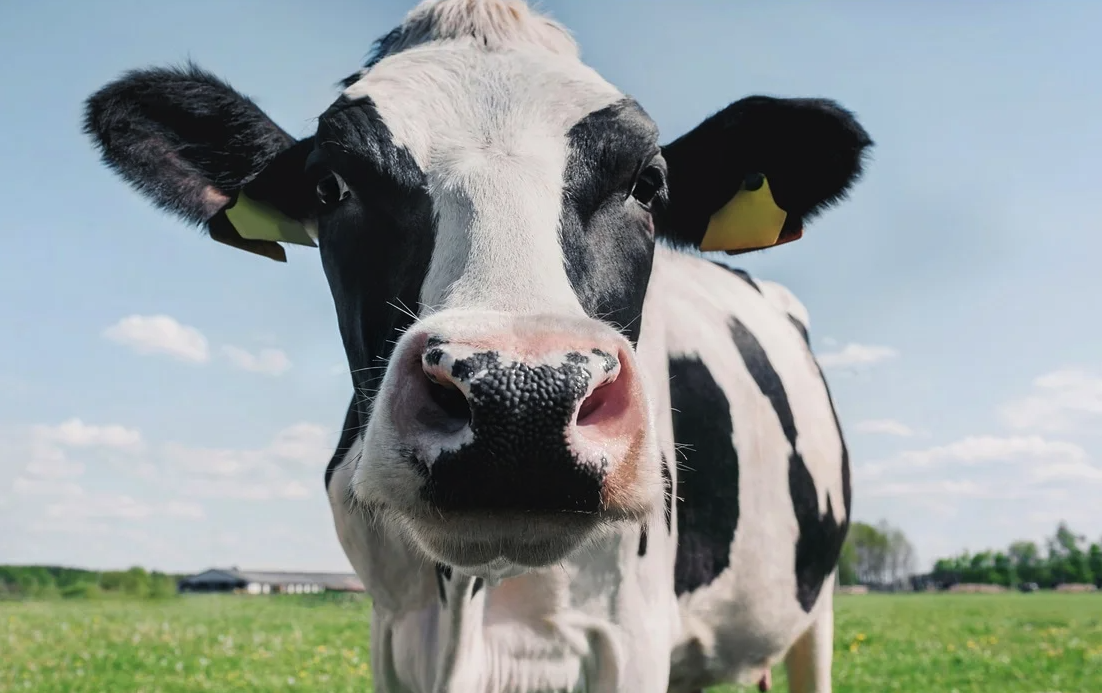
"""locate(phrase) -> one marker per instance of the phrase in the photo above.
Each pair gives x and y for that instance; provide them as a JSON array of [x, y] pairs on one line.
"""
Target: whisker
[[402, 309]]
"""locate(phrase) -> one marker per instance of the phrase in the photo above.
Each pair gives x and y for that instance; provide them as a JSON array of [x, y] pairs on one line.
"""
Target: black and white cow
[[586, 459]]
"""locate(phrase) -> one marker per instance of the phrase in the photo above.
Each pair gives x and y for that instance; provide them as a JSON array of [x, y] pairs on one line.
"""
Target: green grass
[[220, 643], [1037, 643], [1009, 643]]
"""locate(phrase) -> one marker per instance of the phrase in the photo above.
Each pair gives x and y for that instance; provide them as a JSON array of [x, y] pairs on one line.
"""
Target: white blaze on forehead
[[490, 131]]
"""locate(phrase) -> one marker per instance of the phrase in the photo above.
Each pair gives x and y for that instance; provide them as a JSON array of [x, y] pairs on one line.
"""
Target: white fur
[[748, 617]]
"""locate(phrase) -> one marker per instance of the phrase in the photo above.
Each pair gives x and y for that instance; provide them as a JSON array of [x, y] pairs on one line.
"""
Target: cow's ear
[[194, 146], [750, 176]]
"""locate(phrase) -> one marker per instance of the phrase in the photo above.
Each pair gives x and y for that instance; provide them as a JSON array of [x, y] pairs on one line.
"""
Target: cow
[[580, 454]]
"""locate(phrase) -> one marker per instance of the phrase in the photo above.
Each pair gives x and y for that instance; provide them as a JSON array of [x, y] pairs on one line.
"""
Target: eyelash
[[648, 184]]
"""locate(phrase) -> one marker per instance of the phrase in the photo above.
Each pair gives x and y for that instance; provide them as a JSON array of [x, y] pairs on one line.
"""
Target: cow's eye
[[647, 185], [331, 189]]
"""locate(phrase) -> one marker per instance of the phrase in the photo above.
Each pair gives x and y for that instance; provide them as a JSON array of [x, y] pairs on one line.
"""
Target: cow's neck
[[551, 629]]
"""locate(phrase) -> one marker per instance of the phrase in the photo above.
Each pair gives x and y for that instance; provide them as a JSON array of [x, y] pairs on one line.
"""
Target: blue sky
[[169, 402]]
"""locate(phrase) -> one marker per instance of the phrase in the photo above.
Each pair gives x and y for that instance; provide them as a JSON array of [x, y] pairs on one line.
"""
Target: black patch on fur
[[821, 536], [376, 245], [847, 491], [608, 361], [667, 494], [642, 541], [801, 328], [708, 479], [478, 583], [518, 459], [181, 137], [348, 435], [811, 150], [576, 358], [741, 274], [433, 356], [443, 573], [606, 239]]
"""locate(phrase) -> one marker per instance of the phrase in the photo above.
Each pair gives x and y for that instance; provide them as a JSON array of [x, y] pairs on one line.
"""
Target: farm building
[[265, 582]]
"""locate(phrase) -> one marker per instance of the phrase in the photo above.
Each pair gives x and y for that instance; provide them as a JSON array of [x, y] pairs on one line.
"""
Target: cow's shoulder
[[751, 414]]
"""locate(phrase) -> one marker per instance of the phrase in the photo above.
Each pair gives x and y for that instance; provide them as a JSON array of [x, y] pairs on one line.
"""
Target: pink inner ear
[[213, 199]]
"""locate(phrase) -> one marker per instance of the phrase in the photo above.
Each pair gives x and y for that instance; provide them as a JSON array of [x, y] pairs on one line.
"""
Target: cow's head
[[486, 209]]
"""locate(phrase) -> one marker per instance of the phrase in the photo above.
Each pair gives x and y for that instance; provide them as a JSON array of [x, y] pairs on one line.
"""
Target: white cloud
[[266, 361], [76, 433], [85, 506], [1026, 466], [980, 449], [46, 487], [97, 507], [184, 510], [856, 355], [939, 488], [1071, 470], [889, 427], [160, 334], [66, 527], [246, 489], [210, 461], [1062, 401], [254, 474], [139, 497], [49, 461], [306, 443], [45, 452], [1045, 458], [141, 469]]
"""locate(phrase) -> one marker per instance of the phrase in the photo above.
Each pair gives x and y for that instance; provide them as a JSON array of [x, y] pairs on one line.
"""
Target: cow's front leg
[[809, 661]]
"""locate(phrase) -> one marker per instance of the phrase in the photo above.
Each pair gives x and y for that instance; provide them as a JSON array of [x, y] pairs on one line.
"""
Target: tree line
[[877, 556], [1067, 558], [44, 582], [881, 556]]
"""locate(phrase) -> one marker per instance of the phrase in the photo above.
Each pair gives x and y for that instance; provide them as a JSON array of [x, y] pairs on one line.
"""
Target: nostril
[[608, 401], [592, 404], [449, 399]]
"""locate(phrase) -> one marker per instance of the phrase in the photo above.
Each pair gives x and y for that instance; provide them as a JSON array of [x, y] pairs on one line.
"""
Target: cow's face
[[486, 208]]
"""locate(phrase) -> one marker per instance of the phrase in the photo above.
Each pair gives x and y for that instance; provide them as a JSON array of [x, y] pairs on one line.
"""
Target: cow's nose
[[516, 400], [526, 429]]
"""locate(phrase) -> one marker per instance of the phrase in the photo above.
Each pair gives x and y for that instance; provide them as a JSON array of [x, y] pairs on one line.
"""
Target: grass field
[[1037, 643]]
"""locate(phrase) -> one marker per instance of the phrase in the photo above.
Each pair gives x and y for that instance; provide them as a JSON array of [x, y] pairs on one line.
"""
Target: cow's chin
[[504, 544], [487, 543]]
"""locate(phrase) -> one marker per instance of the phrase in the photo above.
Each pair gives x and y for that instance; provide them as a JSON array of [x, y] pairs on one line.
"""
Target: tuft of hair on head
[[495, 24]]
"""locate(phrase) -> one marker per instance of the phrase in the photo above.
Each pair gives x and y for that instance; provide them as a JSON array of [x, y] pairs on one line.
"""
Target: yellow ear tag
[[751, 220], [260, 222]]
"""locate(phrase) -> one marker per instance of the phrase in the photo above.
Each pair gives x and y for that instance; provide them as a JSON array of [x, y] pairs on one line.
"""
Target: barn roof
[[333, 581], [342, 581], [214, 575]]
